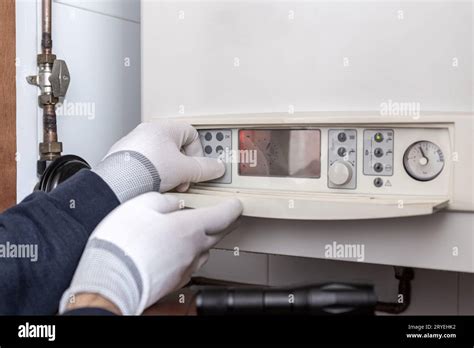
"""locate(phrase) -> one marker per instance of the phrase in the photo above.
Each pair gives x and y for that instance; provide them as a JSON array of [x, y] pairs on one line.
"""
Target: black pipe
[[326, 299], [405, 276]]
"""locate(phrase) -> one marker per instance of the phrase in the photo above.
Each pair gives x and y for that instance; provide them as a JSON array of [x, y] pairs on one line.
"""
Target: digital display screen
[[280, 152]]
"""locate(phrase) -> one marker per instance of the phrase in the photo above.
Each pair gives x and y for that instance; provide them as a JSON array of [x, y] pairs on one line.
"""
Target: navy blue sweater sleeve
[[57, 225]]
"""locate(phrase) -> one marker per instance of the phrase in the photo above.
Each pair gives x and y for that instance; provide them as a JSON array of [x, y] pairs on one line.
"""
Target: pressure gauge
[[423, 160]]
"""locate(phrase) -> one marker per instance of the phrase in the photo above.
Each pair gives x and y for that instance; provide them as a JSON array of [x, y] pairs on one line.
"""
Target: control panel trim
[[457, 125], [316, 207]]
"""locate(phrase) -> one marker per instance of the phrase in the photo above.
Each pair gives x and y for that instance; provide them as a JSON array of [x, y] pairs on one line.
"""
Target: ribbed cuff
[[104, 269], [129, 174], [86, 197]]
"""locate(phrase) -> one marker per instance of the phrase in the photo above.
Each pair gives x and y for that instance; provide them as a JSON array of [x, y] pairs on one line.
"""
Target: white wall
[[217, 57], [100, 41]]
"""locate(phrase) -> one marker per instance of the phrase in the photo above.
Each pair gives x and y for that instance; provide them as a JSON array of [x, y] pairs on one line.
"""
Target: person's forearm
[[53, 230]]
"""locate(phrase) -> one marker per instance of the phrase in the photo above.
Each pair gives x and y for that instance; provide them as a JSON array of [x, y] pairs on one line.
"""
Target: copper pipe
[[46, 41], [50, 148], [50, 134]]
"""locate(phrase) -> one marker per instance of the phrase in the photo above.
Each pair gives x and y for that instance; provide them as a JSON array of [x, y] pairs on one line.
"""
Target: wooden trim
[[7, 104]]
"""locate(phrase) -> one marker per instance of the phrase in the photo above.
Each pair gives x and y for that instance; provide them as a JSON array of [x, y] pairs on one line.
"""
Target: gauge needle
[[424, 160], [422, 152]]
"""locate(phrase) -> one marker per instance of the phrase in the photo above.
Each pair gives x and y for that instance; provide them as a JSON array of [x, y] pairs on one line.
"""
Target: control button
[[378, 182], [208, 136], [341, 151], [342, 137], [219, 149], [220, 136], [340, 173], [208, 149], [378, 167], [378, 152], [378, 137]]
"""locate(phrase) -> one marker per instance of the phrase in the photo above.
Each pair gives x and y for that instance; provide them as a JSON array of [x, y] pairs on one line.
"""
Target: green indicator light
[[378, 137]]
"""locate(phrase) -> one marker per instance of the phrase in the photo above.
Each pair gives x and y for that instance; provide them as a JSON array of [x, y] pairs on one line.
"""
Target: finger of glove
[[214, 219], [183, 134], [183, 187], [156, 201], [194, 148], [213, 239], [197, 169]]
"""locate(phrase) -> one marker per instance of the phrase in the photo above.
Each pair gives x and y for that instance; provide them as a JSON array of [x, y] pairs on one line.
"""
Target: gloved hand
[[157, 156], [145, 249]]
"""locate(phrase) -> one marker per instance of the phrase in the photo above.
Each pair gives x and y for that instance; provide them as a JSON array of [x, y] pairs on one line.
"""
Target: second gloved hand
[[147, 248]]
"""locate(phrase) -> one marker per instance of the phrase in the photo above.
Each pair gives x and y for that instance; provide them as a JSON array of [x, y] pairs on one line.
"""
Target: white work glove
[[145, 249], [157, 156]]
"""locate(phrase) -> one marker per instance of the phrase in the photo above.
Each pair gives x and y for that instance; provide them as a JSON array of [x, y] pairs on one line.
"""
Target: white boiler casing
[[236, 67]]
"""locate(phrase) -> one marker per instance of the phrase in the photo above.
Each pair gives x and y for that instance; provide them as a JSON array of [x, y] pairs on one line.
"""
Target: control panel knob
[[340, 173]]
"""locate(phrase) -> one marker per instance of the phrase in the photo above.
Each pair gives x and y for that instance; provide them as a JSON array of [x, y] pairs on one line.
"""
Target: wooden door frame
[[7, 104]]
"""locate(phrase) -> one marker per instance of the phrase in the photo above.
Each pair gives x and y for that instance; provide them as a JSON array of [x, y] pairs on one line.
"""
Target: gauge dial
[[423, 160]]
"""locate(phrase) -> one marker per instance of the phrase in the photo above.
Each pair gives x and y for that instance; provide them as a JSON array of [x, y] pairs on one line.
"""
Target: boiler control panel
[[327, 171], [326, 159]]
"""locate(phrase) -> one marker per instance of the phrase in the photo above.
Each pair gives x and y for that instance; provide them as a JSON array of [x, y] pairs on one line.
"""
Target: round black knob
[[341, 151], [378, 152], [342, 137], [378, 167]]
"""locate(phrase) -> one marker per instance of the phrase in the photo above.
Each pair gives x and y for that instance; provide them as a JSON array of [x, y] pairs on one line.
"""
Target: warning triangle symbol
[[388, 183]]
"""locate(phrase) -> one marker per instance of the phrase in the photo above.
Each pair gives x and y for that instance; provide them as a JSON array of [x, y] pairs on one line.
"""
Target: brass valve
[[53, 81]]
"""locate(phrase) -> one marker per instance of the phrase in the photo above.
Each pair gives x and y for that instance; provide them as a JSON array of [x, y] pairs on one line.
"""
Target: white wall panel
[[103, 101], [103, 55], [123, 9], [425, 241]]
